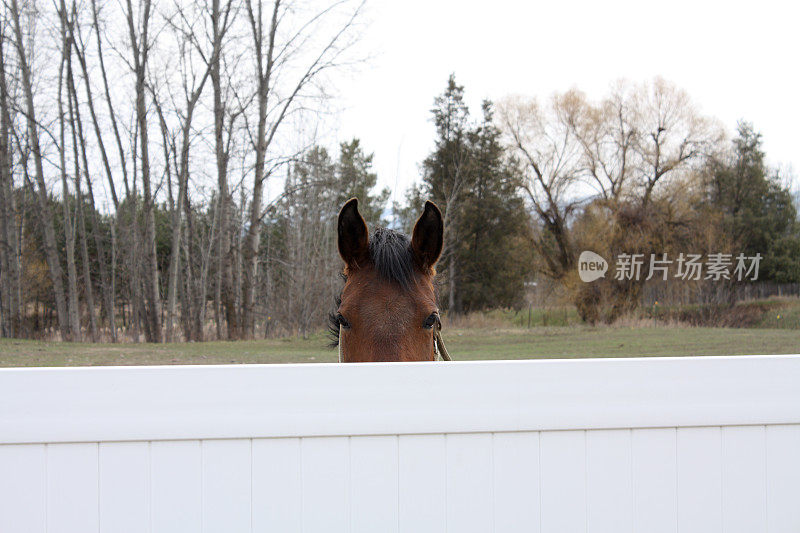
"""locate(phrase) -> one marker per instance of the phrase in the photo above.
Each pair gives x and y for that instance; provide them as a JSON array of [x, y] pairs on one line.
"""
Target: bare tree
[[275, 59], [68, 220], [607, 136], [193, 51], [79, 140], [46, 218], [111, 113], [542, 139], [10, 282], [225, 291], [140, 44], [672, 134], [600, 166]]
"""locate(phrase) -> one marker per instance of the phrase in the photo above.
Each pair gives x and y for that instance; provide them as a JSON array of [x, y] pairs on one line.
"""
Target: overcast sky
[[736, 60]]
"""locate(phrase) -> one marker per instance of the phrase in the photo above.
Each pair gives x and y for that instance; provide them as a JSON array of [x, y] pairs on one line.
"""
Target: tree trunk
[[151, 288], [46, 214], [225, 294], [177, 223], [73, 305], [253, 236], [9, 252], [106, 287], [81, 222]]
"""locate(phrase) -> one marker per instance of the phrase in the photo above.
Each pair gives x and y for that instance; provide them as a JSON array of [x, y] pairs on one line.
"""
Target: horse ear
[[353, 235], [426, 242]]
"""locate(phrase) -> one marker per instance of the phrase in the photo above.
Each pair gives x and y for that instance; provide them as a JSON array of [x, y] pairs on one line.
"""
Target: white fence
[[615, 445]]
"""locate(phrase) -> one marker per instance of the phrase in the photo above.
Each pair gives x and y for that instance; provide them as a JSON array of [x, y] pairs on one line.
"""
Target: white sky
[[736, 59]]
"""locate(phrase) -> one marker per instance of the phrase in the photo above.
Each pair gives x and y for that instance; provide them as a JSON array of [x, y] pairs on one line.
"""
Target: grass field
[[464, 344]]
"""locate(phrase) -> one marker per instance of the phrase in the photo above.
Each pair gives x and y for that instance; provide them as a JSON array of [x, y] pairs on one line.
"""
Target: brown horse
[[387, 310]]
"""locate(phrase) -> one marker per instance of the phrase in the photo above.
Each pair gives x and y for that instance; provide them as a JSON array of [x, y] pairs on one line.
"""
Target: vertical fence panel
[[72, 495], [422, 468], [226, 486], [699, 480], [783, 479], [176, 486], [609, 489], [655, 480], [277, 487], [744, 505], [469, 482], [374, 481], [124, 487], [563, 481], [23, 481], [326, 484], [516, 482]]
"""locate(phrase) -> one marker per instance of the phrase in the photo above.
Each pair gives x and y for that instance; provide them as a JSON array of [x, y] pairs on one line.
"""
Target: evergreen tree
[[299, 235], [355, 178], [495, 251], [487, 250], [758, 211], [299, 244], [446, 179]]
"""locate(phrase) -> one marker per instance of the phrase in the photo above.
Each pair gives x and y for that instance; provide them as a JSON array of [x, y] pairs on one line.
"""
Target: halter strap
[[438, 344]]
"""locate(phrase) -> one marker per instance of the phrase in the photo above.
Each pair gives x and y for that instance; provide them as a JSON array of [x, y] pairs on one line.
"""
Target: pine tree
[[495, 251], [758, 211], [355, 178], [487, 250], [446, 179]]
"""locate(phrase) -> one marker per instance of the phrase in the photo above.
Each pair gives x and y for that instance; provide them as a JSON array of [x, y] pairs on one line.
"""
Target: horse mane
[[333, 323], [390, 252]]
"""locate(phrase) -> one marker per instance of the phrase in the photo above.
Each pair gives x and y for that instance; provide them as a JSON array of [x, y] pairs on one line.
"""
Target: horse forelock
[[390, 252]]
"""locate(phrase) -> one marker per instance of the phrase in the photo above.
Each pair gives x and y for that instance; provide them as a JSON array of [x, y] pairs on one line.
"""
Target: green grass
[[554, 316], [578, 342], [289, 350], [781, 317], [464, 344]]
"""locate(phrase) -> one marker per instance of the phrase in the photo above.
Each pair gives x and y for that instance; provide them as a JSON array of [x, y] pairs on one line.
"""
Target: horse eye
[[343, 321], [431, 321]]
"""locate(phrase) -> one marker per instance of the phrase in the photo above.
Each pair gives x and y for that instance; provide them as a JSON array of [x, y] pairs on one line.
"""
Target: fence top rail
[[252, 401]]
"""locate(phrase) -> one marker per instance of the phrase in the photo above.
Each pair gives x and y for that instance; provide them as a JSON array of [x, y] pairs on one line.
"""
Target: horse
[[387, 309]]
